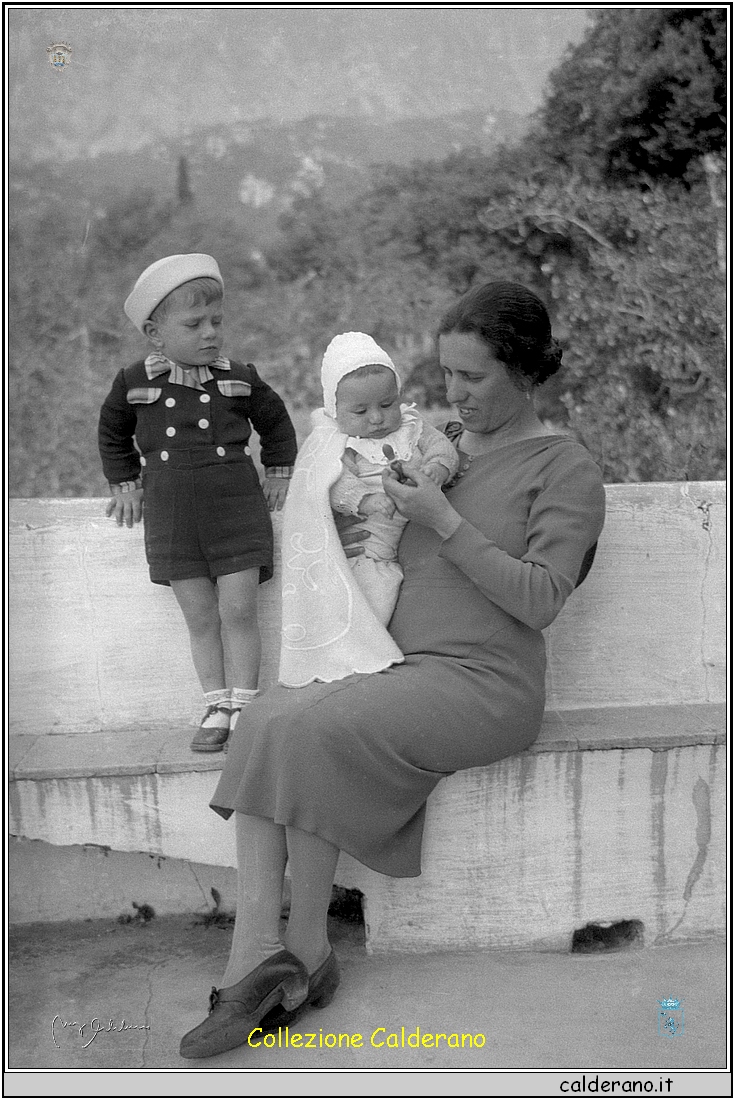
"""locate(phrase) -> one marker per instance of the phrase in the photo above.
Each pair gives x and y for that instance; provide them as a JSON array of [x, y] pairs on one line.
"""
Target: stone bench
[[617, 812]]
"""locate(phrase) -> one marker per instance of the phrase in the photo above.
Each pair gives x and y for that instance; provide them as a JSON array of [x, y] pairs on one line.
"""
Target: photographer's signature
[[90, 1031]]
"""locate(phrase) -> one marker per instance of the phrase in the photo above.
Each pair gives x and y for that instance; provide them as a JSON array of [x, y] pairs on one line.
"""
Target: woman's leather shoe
[[322, 987], [237, 1009]]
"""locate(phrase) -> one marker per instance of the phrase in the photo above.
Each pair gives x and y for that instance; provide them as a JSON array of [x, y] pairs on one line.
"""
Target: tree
[[644, 94], [184, 193]]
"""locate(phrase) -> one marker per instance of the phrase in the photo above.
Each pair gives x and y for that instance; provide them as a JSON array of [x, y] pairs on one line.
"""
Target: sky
[[137, 70]]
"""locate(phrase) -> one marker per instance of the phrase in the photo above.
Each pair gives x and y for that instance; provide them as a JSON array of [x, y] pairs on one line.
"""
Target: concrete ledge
[[651, 727], [516, 855], [615, 813], [166, 752]]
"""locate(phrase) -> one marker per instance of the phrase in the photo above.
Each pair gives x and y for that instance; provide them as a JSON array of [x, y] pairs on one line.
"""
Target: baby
[[367, 409], [335, 610]]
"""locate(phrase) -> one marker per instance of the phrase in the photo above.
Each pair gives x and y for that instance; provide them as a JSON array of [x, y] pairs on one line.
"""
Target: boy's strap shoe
[[212, 738]]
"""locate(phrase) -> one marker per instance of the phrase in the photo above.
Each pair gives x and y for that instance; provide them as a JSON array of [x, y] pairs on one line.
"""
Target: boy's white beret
[[162, 277]]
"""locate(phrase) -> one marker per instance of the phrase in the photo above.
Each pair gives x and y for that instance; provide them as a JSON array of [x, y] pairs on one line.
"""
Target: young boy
[[175, 429], [329, 629]]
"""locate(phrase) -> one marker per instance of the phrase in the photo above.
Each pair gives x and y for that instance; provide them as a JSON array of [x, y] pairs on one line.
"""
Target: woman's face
[[477, 383]]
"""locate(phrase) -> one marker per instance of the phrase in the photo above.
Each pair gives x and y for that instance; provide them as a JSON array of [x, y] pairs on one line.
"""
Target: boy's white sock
[[239, 697], [217, 719]]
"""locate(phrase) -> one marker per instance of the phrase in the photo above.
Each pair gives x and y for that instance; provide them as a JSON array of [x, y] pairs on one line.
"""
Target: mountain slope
[[251, 173]]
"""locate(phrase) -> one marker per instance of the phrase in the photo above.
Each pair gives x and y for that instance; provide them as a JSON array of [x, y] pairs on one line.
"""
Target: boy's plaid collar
[[195, 378]]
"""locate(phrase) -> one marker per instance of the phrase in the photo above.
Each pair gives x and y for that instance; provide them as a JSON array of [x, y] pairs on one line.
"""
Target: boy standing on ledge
[[175, 429]]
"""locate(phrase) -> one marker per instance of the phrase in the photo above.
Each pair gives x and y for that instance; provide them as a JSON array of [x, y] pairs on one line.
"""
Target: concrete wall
[[91, 881], [616, 813], [520, 853], [524, 853], [101, 648]]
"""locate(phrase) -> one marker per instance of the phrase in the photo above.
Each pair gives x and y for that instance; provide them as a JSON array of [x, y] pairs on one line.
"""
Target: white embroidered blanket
[[328, 628]]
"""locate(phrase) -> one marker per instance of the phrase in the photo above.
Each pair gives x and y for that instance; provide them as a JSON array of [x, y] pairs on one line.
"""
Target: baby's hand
[[377, 503], [437, 473]]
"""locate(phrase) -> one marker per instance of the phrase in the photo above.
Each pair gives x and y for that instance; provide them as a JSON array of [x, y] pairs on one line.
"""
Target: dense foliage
[[633, 282], [613, 210], [644, 94]]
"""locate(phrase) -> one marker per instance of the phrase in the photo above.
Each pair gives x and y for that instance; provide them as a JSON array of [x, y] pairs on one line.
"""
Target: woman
[[349, 765]]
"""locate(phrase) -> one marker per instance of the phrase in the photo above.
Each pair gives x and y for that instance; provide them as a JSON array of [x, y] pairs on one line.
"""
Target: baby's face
[[368, 405]]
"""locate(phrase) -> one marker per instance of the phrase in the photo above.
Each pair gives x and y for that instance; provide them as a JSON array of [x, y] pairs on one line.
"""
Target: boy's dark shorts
[[203, 519]]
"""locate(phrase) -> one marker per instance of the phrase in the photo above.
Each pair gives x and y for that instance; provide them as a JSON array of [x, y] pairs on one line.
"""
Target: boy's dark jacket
[[217, 416]]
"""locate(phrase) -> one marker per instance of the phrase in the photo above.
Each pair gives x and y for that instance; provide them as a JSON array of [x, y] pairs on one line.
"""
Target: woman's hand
[[349, 535], [421, 500]]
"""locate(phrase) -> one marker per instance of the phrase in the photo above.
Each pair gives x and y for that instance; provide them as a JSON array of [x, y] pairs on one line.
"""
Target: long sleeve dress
[[354, 761]]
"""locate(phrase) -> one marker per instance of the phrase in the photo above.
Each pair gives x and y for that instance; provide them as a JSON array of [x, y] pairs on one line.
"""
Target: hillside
[[251, 172]]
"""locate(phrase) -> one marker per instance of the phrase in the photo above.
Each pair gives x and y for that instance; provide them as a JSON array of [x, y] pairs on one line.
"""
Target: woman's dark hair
[[514, 324]]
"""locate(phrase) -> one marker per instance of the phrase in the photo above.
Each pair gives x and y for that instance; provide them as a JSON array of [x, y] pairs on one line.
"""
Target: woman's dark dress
[[354, 761]]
